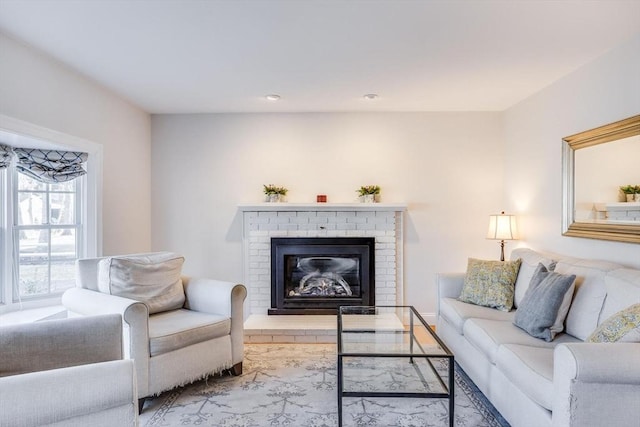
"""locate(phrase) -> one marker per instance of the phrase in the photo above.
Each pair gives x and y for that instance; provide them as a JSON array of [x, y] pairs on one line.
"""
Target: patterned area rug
[[295, 385]]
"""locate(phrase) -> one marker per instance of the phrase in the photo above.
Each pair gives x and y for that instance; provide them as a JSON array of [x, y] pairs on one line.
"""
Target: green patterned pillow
[[490, 283], [624, 326]]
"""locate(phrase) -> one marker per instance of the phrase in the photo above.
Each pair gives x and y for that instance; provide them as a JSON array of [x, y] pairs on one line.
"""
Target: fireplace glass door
[[317, 275]]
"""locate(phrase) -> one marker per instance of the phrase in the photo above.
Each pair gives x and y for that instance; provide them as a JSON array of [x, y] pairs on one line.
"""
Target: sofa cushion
[[545, 305], [171, 330], [589, 295], [457, 312], [490, 283], [487, 335], [529, 262], [623, 326], [530, 369], [154, 279], [623, 290]]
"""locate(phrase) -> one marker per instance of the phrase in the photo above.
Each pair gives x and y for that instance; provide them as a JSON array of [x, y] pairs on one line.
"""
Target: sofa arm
[[99, 394], [449, 285], [53, 344], [596, 384], [218, 297]]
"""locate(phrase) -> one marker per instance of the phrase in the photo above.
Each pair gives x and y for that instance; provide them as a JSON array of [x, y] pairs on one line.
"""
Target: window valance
[[50, 166], [5, 156]]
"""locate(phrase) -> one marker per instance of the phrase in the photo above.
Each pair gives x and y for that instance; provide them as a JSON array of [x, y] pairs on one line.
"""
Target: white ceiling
[[197, 56]]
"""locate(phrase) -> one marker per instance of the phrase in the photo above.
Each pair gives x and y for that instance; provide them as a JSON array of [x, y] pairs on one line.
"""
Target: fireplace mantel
[[310, 207]]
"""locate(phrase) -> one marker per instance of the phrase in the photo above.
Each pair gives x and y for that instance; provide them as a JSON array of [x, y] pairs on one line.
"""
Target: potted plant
[[274, 193], [629, 191], [368, 193]]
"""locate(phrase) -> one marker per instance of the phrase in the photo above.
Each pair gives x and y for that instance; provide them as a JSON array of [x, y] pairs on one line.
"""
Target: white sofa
[[565, 382], [66, 372]]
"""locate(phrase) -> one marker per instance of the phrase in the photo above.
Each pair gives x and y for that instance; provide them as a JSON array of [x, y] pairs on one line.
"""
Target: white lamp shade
[[502, 227]]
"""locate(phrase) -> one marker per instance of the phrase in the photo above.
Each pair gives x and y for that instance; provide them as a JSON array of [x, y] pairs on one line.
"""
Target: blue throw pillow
[[545, 305]]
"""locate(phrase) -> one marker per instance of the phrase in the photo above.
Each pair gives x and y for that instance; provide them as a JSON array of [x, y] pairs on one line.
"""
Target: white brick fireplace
[[382, 221]]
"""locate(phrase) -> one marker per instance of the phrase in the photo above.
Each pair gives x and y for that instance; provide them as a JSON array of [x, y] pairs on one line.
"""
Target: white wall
[[601, 92], [36, 89], [449, 167], [446, 166]]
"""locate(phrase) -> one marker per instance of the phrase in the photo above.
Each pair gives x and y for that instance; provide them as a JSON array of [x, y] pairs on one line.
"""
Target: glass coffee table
[[390, 351]]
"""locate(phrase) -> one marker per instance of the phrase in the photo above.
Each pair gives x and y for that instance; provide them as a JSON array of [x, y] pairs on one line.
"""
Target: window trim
[[21, 133]]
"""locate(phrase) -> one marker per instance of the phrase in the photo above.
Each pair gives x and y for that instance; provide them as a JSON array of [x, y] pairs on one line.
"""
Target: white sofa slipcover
[[66, 372], [566, 382]]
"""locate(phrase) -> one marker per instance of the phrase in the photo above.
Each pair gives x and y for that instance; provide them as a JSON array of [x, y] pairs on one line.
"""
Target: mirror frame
[[617, 232]]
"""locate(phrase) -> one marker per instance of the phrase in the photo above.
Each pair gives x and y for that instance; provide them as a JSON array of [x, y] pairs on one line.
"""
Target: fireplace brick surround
[[383, 221]]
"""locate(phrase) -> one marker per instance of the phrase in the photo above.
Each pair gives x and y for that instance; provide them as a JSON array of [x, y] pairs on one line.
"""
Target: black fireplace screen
[[318, 275]]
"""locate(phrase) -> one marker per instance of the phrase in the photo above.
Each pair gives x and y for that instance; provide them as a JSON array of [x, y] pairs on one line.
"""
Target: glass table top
[[386, 331]]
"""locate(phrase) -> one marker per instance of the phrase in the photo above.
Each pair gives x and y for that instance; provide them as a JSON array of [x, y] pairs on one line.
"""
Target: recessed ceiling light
[[371, 96], [272, 97]]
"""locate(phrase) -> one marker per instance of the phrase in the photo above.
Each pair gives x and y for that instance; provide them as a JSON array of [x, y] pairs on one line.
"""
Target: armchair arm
[[218, 297], [212, 296], [449, 285], [99, 394], [134, 313], [87, 303], [136, 317], [596, 384]]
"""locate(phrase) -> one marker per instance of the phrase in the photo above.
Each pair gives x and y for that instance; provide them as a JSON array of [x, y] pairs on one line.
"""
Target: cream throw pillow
[[154, 279], [490, 283]]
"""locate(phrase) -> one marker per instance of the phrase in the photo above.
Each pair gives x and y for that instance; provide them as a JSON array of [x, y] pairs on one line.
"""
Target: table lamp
[[502, 227]]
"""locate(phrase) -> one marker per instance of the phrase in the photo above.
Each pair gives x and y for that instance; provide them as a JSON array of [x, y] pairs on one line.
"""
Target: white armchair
[[175, 347], [66, 372]]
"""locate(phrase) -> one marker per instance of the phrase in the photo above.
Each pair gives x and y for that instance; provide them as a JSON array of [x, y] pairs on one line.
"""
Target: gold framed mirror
[[596, 164]]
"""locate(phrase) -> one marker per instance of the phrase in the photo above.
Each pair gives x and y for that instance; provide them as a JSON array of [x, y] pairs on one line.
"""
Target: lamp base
[[501, 250]]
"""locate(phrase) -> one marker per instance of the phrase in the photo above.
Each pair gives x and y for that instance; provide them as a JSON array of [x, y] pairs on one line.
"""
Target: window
[[44, 228], [47, 231]]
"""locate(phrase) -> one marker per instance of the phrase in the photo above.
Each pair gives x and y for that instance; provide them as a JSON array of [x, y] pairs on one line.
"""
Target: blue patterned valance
[[50, 166], [6, 153]]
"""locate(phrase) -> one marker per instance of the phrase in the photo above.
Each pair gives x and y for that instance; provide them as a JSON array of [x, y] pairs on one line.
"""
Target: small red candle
[[321, 198]]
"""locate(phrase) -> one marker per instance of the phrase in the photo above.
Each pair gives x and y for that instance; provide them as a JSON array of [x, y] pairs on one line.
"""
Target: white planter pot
[[368, 198], [273, 198], [630, 197]]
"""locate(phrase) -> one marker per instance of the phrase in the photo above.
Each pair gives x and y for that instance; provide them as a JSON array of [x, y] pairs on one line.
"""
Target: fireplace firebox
[[317, 275]]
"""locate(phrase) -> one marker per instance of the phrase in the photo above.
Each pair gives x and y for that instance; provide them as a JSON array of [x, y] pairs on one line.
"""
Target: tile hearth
[[308, 329], [262, 328]]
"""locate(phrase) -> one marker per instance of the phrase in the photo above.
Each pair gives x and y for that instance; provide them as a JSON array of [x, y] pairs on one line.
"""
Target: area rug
[[295, 385]]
